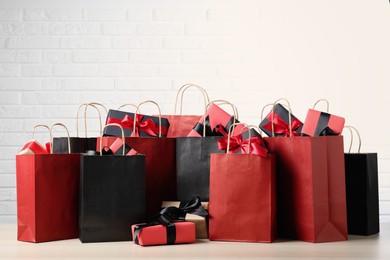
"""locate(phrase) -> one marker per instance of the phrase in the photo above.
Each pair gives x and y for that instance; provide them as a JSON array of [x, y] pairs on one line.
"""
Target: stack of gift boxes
[[169, 179]]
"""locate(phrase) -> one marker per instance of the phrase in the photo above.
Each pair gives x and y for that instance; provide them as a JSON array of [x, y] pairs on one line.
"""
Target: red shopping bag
[[310, 187], [47, 196], [242, 203], [160, 166], [181, 125]]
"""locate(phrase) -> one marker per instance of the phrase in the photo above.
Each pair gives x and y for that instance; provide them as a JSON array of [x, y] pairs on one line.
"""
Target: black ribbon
[[217, 131], [328, 132], [170, 214]]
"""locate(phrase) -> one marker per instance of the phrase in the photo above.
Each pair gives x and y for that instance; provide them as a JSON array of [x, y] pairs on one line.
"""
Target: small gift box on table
[[195, 212], [164, 229], [146, 126], [319, 123], [280, 117]]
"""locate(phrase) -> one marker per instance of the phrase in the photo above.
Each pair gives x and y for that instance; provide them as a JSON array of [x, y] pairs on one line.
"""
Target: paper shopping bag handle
[[128, 104], [159, 115], [322, 100], [181, 92], [44, 126], [123, 138], [51, 139], [93, 104], [350, 128]]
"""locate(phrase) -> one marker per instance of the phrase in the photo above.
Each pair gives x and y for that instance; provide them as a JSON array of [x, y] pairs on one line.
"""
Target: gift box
[[201, 223], [281, 123], [217, 123], [147, 126], [34, 147], [179, 232], [319, 123], [240, 143], [117, 148]]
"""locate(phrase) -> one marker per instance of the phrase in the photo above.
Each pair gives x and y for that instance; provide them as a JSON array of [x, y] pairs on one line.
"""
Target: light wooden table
[[373, 247]]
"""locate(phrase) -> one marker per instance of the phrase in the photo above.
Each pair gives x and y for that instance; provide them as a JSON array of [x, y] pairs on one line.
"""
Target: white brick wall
[[250, 52]]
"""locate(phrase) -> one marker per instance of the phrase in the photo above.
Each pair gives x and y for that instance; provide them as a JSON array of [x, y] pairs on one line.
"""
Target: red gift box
[[117, 148], [157, 235], [319, 123], [215, 117]]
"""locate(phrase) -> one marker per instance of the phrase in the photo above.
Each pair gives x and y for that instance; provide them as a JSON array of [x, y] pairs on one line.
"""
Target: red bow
[[236, 143], [281, 127], [147, 126]]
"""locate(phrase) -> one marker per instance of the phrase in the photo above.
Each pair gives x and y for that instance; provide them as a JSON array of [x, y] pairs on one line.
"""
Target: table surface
[[357, 247]]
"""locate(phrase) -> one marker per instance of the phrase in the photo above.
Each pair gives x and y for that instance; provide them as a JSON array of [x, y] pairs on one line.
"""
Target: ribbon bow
[[257, 145], [146, 126], [281, 127], [219, 130], [167, 215]]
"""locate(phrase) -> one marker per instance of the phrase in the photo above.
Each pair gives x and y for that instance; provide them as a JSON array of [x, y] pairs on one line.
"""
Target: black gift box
[[116, 116], [361, 170], [282, 112]]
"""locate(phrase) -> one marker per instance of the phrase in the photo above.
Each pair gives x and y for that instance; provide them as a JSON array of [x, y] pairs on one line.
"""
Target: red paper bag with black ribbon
[[147, 126], [160, 164], [47, 188], [193, 156], [361, 176], [181, 125], [169, 226], [79, 144], [242, 203], [280, 116], [112, 193], [310, 187], [318, 123]]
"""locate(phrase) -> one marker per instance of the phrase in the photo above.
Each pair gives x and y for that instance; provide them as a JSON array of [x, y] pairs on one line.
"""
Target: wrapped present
[[215, 122], [34, 147], [163, 230], [240, 143], [319, 123], [281, 123], [146, 126], [117, 148], [194, 213]]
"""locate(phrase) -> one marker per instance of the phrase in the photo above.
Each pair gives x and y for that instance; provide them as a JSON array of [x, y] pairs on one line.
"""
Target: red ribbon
[[147, 126], [236, 143], [281, 127], [36, 148]]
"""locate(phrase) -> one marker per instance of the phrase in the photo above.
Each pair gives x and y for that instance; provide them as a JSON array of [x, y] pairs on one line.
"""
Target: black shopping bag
[[361, 171], [79, 144], [193, 158], [112, 196]]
